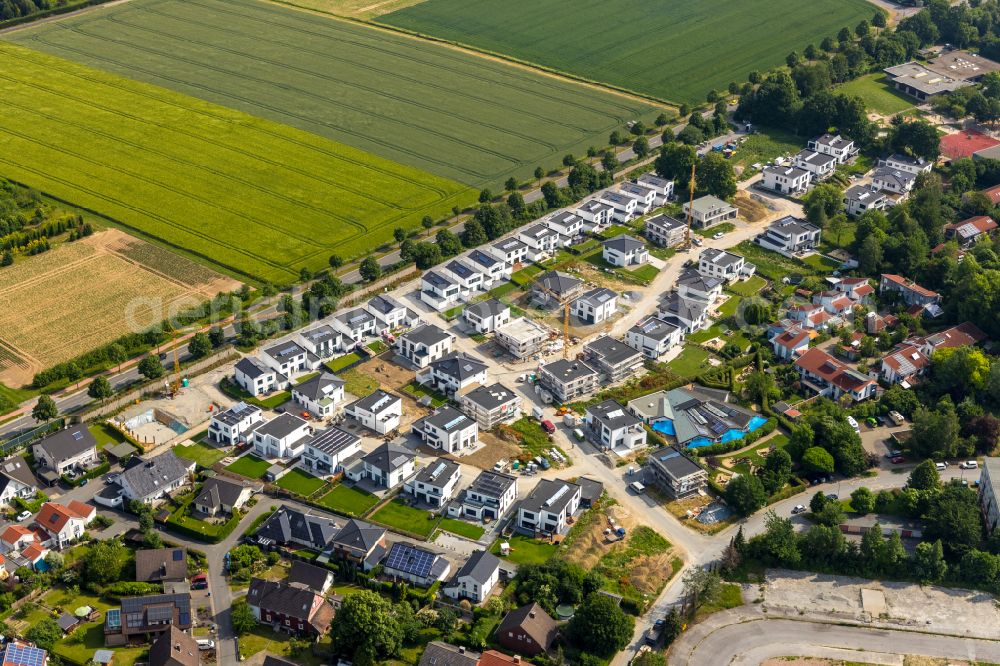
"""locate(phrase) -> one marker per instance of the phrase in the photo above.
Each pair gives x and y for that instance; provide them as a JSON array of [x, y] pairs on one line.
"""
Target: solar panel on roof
[[23, 655], [113, 618], [669, 455], [437, 470], [178, 555], [78, 435], [555, 497], [454, 422]]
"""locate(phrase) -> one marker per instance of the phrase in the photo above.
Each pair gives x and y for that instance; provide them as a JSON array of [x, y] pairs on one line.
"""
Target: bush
[[127, 588]]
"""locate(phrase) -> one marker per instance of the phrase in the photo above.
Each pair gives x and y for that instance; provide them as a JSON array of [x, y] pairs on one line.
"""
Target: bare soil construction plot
[[932, 609], [81, 295]]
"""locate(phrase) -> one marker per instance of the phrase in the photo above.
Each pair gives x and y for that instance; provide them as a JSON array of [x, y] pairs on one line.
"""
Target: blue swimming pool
[[730, 435], [665, 426]]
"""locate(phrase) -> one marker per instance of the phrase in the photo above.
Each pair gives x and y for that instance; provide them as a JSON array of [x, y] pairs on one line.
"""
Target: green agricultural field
[[877, 94], [254, 197], [673, 50], [456, 115]]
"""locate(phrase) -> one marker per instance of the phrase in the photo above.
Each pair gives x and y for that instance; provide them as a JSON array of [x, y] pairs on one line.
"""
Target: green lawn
[[729, 308], [767, 144], [462, 528], [821, 264], [406, 518], [237, 393], [377, 347], [719, 331], [524, 276], [341, 362], [277, 643], [417, 391], [249, 466], [524, 550], [358, 384], [205, 455], [691, 362], [300, 482], [347, 500], [730, 596], [723, 228], [748, 287], [535, 441], [105, 435], [877, 94], [504, 290], [683, 49], [645, 273]]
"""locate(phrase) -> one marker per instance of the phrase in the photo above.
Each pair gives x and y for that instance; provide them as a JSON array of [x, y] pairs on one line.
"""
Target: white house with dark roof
[[900, 162], [541, 240], [379, 411], [595, 306], [596, 215], [322, 341], [611, 427], [386, 466], [491, 405], [70, 448], [222, 495], [724, 265], [468, 279], [692, 284], [613, 358], [690, 314], [707, 211], [494, 270], [567, 224], [255, 377], [488, 497], [819, 165], [510, 251], [672, 470], [454, 373], [424, 344], [789, 235], [833, 144], [16, 479], [786, 179], [356, 325], [548, 508], [567, 379], [448, 430], [435, 483], [654, 337], [555, 288], [645, 197], [234, 425], [625, 251], [486, 316], [281, 437], [415, 565], [665, 231], [289, 358], [438, 291], [154, 478], [663, 189], [326, 452], [390, 313], [475, 579], [893, 181], [321, 395], [623, 208], [859, 198]]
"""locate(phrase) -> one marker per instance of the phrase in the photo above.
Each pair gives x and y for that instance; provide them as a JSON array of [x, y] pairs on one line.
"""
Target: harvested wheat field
[[81, 295]]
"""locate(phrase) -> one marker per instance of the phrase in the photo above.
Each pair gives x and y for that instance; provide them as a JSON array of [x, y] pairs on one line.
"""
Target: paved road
[[734, 639]]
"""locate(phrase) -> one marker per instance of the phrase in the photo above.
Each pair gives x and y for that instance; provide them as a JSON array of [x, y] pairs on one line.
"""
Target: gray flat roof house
[[615, 359], [677, 474]]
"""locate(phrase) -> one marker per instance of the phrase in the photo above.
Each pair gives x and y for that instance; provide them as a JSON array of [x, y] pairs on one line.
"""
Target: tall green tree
[[366, 628], [600, 626], [716, 177], [745, 494], [45, 409], [199, 346], [370, 270], [150, 367], [929, 564], [100, 388]]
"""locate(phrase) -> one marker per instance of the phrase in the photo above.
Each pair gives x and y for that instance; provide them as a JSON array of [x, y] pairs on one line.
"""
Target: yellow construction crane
[[176, 386], [687, 237], [565, 305]]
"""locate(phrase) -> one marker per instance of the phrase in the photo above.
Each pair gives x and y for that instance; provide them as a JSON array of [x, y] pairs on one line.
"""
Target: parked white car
[[941, 466], [969, 464], [24, 515]]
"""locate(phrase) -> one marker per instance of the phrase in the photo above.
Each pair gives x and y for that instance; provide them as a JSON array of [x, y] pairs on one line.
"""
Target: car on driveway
[[717, 235], [24, 515], [898, 459], [799, 508], [832, 496], [969, 464]]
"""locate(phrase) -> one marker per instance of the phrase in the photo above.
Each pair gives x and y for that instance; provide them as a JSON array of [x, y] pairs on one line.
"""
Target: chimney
[[531, 614], [177, 647], [517, 659], [461, 650]]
